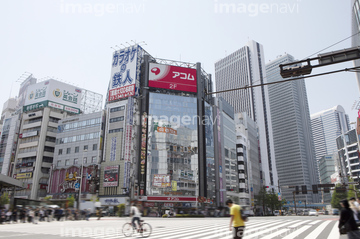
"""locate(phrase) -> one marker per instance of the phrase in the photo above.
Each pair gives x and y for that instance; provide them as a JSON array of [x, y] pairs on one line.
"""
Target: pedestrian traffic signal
[[304, 189], [315, 189], [297, 189]]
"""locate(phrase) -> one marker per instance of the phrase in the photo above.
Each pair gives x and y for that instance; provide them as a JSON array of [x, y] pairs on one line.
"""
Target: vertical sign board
[[113, 149], [143, 153], [128, 141], [125, 73], [111, 176]]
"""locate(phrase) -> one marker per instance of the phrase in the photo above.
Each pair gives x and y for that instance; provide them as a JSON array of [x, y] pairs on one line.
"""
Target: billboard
[[54, 94], [161, 180], [111, 176], [172, 77], [125, 72]]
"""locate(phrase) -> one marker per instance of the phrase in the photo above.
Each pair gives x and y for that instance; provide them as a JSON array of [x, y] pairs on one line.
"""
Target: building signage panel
[[161, 180], [172, 77], [115, 201], [123, 73], [113, 149], [111, 176], [54, 91], [24, 175], [29, 134], [171, 199]]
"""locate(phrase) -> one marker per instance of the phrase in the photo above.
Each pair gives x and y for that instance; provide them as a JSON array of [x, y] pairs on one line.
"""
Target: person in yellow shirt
[[236, 220]]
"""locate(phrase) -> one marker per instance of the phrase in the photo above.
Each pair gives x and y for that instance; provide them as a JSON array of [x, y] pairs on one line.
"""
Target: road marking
[[267, 232], [334, 234], [297, 232], [317, 230], [16, 235]]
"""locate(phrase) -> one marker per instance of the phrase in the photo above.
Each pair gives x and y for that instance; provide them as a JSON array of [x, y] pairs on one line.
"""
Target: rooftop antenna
[[123, 45], [113, 48], [117, 46], [128, 43]]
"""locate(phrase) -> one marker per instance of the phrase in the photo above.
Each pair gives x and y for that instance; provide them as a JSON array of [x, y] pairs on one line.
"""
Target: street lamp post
[[81, 177]]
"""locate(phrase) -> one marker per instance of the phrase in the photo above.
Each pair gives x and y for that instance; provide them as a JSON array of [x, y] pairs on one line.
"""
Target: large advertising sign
[[172, 77], [54, 94], [111, 176], [161, 180], [124, 73]]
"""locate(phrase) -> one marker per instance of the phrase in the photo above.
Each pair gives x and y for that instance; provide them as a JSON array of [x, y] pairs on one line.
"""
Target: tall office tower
[[327, 125], [246, 67], [355, 27], [293, 142]]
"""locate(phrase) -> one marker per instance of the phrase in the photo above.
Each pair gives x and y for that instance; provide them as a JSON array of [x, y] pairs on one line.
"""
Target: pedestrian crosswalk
[[208, 228]]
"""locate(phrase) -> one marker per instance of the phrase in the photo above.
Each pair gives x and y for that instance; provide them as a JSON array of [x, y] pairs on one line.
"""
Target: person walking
[[235, 220], [355, 210], [347, 220]]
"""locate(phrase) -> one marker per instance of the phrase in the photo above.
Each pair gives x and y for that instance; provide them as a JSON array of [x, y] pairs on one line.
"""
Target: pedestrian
[[347, 220], [355, 209], [8, 215], [87, 214], [31, 215], [98, 213], [42, 214], [235, 220], [36, 216], [14, 215], [2, 216]]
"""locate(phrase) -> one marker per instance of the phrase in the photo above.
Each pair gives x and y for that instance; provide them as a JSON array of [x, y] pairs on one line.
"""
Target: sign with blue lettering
[[77, 185]]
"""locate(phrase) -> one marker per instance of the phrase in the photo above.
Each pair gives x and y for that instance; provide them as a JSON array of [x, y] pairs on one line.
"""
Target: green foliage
[[47, 198], [121, 209], [71, 201], [269, 200], [4, 199], [337, 197]]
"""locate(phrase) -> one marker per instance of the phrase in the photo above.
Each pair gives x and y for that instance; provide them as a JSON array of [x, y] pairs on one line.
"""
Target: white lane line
[[318, 230], [334, 233], [297, 232]]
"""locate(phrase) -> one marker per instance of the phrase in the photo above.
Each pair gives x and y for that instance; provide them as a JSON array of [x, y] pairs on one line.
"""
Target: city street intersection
[[284, 227]]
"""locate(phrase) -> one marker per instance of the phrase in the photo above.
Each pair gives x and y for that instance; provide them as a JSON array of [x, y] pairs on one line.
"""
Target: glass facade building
[[172, 158]]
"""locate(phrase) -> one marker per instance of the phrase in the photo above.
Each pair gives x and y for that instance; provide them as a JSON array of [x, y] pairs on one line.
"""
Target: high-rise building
[[246, 67], [326, 126], [327, 167], [355, 28], [293, 142]]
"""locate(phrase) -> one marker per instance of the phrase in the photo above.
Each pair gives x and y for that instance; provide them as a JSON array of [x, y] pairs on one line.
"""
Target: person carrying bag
[[347, 224]]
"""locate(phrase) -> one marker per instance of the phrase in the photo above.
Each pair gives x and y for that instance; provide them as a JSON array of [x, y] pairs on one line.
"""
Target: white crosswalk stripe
[[208, 228]]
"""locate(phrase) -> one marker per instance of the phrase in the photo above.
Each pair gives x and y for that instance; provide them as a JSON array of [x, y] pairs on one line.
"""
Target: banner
[[111, 176]]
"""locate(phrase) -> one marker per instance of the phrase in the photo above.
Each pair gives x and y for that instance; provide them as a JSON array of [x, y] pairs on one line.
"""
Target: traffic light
[[297, 189], [304, 189], [315, 189]]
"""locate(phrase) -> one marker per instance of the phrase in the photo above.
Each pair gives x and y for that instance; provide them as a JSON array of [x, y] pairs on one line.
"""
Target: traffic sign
[[299, 202], [77, 185]]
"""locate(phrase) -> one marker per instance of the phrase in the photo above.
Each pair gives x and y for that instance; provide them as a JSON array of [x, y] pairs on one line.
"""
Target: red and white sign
[[172, 199], [172, 77]]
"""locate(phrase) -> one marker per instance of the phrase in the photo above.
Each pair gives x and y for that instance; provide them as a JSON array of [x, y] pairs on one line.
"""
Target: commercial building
[[293, 142], [348, 150], [45, 104], [246, 67], [327, 125], [77, 157], [248, 160], [327, 167]]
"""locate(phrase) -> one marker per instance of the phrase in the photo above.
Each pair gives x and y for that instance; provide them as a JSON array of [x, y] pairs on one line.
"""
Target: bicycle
[[145, 229]]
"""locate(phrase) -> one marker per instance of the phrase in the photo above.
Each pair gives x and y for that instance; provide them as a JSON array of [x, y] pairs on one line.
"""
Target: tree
[[261, 198], [4, 199], [121, 209], [337, 197], [71, 201]]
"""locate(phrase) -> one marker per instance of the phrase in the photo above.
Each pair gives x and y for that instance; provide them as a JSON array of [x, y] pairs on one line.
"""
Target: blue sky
[[71, 39]]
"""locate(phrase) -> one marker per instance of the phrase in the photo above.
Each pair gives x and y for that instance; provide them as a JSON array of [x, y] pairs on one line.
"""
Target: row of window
[[69, 162], [77, 148], [78, 125], [78, 138]]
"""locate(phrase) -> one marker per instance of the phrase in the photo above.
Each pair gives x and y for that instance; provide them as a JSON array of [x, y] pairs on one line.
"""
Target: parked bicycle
[[144, 229]]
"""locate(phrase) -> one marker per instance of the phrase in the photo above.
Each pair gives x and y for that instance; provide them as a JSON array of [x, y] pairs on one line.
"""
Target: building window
[[116, 130], [68, 150], [67, 162], [77, 149], [121, 118], [60, 152], [85, 147], [85, 160], [120, 108], [94, 146], [93, 160], [76, 161], [58, 163]]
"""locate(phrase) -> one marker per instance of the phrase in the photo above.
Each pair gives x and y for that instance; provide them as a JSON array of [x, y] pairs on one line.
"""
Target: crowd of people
[[41, 214]]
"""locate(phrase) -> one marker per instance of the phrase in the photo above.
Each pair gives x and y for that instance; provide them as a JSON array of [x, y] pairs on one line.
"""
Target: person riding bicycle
[[135, 213]]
